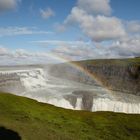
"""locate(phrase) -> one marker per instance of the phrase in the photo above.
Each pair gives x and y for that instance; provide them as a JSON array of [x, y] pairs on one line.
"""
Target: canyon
[[67, 86]]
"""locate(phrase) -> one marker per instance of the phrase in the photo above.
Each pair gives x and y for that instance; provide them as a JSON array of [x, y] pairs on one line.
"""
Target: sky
[[50, 31]]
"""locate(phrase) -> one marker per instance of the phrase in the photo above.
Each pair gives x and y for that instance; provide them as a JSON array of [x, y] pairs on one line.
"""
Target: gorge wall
[[119, 75]]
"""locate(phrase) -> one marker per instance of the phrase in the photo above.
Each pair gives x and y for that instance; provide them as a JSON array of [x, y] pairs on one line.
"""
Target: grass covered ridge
[[38, 121], [116, 62]]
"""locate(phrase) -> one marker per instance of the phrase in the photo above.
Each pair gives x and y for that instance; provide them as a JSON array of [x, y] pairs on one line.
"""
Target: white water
[[104, 104], [39, 85], [28, 79]]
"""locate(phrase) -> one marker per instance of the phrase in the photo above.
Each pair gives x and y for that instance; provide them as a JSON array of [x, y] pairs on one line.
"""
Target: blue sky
[[34, 30]]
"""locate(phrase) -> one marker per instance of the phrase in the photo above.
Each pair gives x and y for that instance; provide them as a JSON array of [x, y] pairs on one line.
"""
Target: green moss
[[38, 121]]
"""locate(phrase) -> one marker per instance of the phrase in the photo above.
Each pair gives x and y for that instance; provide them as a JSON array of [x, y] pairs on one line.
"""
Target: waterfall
[[22, 80], [38, 84]]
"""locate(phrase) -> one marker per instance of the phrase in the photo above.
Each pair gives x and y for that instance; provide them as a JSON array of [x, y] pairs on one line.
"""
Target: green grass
[[120, 62], [38, 121]]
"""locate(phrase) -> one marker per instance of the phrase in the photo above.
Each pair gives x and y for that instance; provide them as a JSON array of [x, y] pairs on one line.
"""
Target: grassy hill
[[117, 62], [37, 121]]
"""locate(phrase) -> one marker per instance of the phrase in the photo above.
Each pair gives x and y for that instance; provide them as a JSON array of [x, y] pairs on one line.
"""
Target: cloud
[[98, 28], [95, 6], [58, 43], [94, 19], [96, 51], [127, 47], [75, 52], [6, 5], [23, 57], [3, 51], [80, 50], [72, 50], [19, 53], [14, 31], [47, 13], [133, 26]]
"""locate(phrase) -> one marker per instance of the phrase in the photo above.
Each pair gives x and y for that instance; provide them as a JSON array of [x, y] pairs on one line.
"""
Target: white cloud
[[75, 52], [61, 43], [60, 27], [129, 46], [133, 26], [81, 53], [79, 50], [8, 4], [94, 19], [3, 51], [98, 52], [19, 53], [47, 13], [13, 31], [95, 6], [23, 57], [98, 28], [72, 50]]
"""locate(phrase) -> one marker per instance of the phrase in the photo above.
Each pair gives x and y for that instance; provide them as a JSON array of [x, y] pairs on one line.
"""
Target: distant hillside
[[38, 121], [112, 61], [116, 74]]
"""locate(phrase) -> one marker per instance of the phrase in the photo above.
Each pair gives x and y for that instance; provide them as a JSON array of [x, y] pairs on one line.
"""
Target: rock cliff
[[119, 75]]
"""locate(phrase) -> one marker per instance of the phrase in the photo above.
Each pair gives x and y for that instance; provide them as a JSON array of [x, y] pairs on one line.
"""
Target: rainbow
[[82, 69]]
